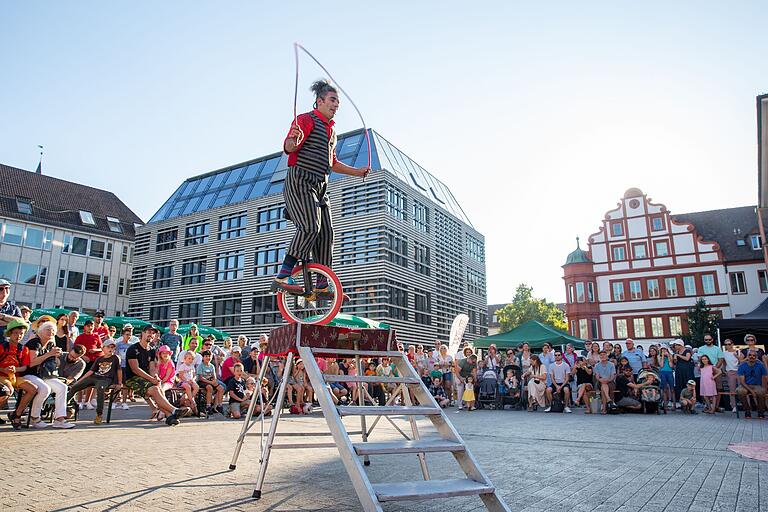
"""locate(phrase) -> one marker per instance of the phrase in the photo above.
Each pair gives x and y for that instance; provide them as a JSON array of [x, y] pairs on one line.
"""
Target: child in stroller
[[650, 393], [488, 389], [510, 387]]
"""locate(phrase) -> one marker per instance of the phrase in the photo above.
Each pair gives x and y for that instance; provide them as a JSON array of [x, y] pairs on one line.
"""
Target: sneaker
[[172, 420], [39, 423], [693, 411], [548, 409], [748, 415], [62, 424], [286, 284], [125, 406], [97, 420], [568, 410], [182, 412], [327, 294], [733, 410], [219, 409]]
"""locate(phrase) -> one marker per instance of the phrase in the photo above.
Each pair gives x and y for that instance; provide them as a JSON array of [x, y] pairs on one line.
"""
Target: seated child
[[511, 383], [438, 392], [688, 398], [185, 375], [206, 378], [105, 372], [237, 388]]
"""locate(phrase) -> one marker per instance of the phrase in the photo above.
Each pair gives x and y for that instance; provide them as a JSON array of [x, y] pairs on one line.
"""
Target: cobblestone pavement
[[540, 462]]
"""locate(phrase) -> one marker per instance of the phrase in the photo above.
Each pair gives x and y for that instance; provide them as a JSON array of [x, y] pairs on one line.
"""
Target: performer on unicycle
[[311, 149]]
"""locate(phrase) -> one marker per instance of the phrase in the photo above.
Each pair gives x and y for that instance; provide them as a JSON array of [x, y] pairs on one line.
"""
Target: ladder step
[[430, 489], [418, 446], [353, 352], [293, 446], [371, 378], [391, 410]]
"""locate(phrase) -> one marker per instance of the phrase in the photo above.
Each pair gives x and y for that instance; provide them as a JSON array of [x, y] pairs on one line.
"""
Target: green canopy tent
[[536, 334], [120, 321], [345, 320], [54, 312], [202, 330]]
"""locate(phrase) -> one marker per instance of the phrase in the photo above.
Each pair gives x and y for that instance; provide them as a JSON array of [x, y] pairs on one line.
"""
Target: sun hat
[[677, 342], [42, 319], [164, 348], [15, 324]]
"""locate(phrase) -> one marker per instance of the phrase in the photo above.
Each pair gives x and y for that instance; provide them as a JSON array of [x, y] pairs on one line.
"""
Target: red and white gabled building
[[645, 267]]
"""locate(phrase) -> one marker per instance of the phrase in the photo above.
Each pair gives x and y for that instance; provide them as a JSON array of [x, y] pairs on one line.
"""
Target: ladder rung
[[289, 446], [377, 410], [371, 378], [304, 434], [430, 489], [418, 446], [353, 352]]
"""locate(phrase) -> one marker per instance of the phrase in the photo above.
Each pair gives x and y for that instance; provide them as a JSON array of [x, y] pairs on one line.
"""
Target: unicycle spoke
[[314, 306]]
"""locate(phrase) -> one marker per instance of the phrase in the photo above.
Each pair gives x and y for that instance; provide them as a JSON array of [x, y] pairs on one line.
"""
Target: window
[[75, 280], [97, 249], [618, 291], [639, 251], [121, 286], [657, 327], [621, 328], [475, 282], [166, 240], [92, 282], [33, 238], [232, 226], [662, 248], [268, 260], [190, 311], [421, 258], [635, 290], [583, 329], [639, 326], [271, 219], [13, 234], [48, 240], [689, 285], [740, 242], [78, 245], [24, 205], [653, 288], [124, 255], [396, 203], [193, 270], [226, 311], [162, 275], [580, 292], [657, 223], [675, 326], [397, 250], [762, 278], [229, 266], [398, 300], [196, 233], [619, 252], [265, 310], [423, 307], [359, 246], [594, 332], [420, 217], [573, 328], [670, 284], [109, 251], [62, 278], [591, 291], [160, 314], [617, 228], [571, 294], [755, 241], [104, 284], [708, 284], [31, 274], [87, 218], [475, 249], [738, 284], [114, 225], [362, 199]]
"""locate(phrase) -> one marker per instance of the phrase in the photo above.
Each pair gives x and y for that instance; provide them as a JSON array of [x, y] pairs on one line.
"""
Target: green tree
[[525, 307], [701, 320]]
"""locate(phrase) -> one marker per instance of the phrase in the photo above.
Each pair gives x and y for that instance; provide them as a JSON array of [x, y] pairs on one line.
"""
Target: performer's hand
[[296, 134], [363, 171]]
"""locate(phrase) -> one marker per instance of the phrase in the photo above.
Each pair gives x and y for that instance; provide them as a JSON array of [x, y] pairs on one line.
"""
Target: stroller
[[508, 396], [488, 390], [650, 395]]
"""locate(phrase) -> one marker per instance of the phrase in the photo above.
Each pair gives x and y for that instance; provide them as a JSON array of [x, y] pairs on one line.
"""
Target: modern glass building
[[405, 251]]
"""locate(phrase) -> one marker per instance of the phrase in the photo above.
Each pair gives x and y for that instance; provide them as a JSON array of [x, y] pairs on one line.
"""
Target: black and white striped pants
[[307, 205]]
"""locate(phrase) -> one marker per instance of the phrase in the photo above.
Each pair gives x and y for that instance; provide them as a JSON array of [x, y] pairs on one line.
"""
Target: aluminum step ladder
[[371, 495]]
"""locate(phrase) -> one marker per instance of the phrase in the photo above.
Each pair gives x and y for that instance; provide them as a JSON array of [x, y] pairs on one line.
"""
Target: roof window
[[114, 225], [24, 205], [87, 218]]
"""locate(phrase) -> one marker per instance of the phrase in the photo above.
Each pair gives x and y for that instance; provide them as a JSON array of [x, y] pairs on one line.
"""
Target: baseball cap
[[109, 341], [677, 342], [15, 324], [691, 382], [99, 313], [237, 348], [150, 327], [5, 282]]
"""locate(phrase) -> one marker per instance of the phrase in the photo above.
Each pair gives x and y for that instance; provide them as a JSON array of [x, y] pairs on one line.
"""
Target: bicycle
[[309, 306]]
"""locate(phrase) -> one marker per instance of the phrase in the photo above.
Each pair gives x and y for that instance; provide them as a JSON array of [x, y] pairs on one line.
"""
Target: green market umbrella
[[54, 312], [120, 321], [202, 330], [353, 321]]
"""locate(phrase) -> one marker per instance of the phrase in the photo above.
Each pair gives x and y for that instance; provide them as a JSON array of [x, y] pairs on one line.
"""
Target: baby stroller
[[650, 395], [508, 396], [488, 390]]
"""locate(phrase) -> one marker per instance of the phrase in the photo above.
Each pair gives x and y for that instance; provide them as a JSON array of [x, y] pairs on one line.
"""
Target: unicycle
[[306, 307]]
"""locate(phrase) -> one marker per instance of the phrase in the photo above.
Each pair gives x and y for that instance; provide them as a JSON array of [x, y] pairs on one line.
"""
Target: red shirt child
[[91, 342]]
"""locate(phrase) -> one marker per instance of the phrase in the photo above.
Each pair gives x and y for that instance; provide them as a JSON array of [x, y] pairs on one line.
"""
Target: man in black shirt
[[105, 372], [627, 390], [141, 376]]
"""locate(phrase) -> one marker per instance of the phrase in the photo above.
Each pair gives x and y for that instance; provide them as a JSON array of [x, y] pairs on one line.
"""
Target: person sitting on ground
[[304, 391], [753, 381], [105, 372], [559, 374], [627, 390], [377, 390], [688, 398], [236, 391], [206, 377], [251, 394], [605, 371], [438, 392], [141, 377], [14, 360], [185, 376], [338, 391]]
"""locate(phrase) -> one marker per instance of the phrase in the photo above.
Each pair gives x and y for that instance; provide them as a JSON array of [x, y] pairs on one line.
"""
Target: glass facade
[[266, 176]]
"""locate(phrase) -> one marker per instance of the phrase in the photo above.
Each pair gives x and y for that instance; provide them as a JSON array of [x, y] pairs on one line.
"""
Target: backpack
[[557, 404]]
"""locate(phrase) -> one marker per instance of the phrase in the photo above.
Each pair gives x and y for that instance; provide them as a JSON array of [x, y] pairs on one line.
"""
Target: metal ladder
[[371, 495]]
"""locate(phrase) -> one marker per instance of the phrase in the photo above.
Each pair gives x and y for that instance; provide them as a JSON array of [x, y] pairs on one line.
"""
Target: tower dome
[[578, 255]]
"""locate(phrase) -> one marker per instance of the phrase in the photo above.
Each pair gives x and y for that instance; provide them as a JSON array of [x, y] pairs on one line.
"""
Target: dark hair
[[65, 328], [79, 349], [321, 88], [205, 353], [88, 322]]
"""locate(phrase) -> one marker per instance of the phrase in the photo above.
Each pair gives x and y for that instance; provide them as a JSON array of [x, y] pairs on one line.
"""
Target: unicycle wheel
[[309, 308]]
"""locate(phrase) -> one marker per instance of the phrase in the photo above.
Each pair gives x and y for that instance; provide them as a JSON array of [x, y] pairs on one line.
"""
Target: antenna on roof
[[39, 169]]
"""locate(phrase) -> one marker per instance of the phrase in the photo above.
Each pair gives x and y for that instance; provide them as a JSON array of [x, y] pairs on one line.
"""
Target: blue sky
[[537, 115]]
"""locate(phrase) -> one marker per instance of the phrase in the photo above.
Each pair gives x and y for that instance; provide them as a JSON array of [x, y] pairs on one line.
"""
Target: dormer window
[[87, 218], [24, 205], [755, 241], [114, 225]]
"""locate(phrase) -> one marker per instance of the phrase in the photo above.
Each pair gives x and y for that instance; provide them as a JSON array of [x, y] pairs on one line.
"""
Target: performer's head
[[326, 98]]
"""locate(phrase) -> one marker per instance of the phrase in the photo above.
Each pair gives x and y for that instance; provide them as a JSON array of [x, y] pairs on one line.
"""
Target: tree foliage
[[525, 307], [701, 320]]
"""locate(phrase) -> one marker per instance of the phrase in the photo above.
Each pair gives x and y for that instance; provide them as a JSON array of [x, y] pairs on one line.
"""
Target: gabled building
[[405, 250], [64, 244], [645, 267]]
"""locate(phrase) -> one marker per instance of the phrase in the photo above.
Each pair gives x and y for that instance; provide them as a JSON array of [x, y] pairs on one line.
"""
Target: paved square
[[540, 462]]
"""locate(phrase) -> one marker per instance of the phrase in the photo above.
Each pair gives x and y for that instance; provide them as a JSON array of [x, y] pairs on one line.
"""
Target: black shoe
[[182, 412], [761, 415], [748, 414], [693, 411], [219, 409], [172, 420]]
